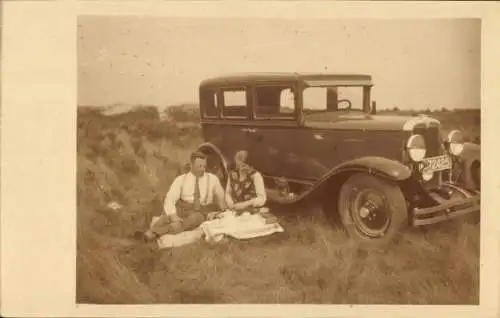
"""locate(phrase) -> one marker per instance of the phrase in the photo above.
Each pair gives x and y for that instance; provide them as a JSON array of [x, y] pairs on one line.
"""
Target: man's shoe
[[139, 235], [142, 236]]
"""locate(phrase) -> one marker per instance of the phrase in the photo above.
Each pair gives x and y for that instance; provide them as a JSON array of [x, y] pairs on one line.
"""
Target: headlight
[[455, 142], [416, 147]]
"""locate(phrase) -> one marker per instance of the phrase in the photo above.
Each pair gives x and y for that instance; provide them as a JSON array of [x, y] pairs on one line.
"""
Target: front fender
[[383, 167], [379, 166], [469, 163], [471, 152]]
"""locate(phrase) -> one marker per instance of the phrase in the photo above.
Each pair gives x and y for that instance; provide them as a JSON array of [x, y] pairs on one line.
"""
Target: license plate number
[[436, 163]]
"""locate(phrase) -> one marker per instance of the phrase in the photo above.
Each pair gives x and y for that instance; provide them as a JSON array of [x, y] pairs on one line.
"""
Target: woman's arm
[[260, 190]]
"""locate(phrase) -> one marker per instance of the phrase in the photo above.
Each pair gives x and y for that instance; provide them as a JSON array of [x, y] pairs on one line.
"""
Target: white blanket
[[245, 226]]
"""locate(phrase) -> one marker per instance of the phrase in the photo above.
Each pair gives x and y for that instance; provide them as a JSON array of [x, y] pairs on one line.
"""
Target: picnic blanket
[[228, 224], [245, 226]]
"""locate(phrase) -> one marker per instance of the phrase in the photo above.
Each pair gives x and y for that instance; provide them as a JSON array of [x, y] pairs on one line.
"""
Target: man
[[245, 189], [189, 201]]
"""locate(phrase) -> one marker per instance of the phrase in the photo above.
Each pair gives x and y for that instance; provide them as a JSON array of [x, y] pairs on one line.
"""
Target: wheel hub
[[368, 212]]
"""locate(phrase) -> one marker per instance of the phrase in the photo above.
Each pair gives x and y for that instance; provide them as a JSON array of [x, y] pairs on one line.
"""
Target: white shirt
[[183, 188]]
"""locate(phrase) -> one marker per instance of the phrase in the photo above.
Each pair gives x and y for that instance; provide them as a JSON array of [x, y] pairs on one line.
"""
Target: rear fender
[[209, 148]]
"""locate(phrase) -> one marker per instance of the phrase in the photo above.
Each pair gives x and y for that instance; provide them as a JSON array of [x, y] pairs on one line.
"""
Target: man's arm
[[229, 199], [173, 195], [219, 193]]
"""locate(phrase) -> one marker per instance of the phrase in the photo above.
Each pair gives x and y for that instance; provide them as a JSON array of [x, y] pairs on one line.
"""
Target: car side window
[[209, 98], [274, 102], [234, 101]]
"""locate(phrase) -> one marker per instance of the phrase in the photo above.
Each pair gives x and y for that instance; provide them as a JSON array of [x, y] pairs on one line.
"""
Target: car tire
[[386, 205]]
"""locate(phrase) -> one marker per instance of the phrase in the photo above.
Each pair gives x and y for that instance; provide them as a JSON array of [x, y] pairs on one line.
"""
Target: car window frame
[[221, 101], [215, 93], [294, 116]]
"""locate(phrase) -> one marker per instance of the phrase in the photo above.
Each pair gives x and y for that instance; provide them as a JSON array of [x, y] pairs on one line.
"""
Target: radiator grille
[[433, 144], [432, 140]]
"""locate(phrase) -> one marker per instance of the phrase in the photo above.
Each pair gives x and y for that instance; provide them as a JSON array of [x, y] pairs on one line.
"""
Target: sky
[[415, 64]]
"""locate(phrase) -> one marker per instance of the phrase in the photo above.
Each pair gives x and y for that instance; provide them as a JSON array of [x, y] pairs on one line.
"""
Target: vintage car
[[319, 136]]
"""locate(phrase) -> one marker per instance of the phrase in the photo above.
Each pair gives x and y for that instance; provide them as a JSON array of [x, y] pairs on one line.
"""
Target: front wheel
[[372, 210]]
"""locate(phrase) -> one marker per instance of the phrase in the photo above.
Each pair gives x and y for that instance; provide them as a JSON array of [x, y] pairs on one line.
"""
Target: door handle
[[249, 130], [252, 131]]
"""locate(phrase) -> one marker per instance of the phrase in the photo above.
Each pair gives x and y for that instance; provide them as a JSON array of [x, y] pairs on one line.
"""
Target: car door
[[234, 122], [271, 140]]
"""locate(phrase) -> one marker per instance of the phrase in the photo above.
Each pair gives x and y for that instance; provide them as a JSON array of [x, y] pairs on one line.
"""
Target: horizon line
[[197, 104]]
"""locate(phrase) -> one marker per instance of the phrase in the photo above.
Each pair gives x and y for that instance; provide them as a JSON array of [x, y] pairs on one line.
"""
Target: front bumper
[[446, 211]]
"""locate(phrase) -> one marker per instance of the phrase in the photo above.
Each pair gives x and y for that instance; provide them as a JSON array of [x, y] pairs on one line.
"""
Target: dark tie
[[196, 200]]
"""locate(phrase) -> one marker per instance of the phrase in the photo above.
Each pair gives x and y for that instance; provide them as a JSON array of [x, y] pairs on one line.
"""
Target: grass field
[[132, 158]]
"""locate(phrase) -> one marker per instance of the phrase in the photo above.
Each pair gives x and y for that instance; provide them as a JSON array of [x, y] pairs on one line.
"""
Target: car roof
[[246, 78]]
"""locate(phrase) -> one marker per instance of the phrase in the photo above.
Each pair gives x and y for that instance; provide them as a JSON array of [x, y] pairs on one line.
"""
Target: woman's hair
[[241, 156]]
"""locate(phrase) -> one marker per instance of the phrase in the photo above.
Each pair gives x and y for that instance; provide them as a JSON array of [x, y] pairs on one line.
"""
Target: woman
[[245, 191]]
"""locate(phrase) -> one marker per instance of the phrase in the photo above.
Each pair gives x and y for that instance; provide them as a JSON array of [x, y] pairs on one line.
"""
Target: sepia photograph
[[278, 161]]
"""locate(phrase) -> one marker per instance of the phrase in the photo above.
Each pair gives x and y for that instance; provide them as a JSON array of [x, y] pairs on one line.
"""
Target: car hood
[[367, 122]]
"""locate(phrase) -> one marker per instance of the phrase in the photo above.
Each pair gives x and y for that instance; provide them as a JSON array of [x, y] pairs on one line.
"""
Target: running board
[[276, 197]]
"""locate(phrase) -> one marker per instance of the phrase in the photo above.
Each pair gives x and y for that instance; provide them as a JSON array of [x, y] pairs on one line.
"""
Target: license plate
[[436, 163]]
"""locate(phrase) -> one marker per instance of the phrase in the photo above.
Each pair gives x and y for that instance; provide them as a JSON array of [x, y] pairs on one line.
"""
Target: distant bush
[[183, 113], [160, 130]]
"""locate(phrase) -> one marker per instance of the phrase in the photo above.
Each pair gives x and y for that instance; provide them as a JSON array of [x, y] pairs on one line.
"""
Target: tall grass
[[132, 158]]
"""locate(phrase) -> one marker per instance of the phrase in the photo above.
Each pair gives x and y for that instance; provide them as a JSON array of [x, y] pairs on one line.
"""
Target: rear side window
[[209, 98], [274, 102], [234, 101]]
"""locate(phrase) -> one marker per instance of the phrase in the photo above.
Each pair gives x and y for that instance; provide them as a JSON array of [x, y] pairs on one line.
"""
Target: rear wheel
[[372, 210]]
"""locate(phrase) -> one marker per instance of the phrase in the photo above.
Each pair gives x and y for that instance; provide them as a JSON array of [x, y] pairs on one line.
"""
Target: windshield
[[318, 100]]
